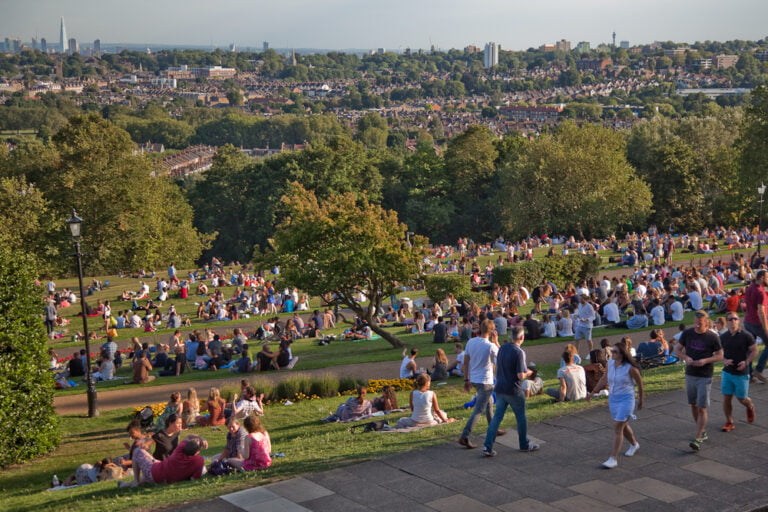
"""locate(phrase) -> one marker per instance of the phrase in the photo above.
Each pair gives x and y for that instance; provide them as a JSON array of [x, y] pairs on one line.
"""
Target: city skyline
[[395, 25]]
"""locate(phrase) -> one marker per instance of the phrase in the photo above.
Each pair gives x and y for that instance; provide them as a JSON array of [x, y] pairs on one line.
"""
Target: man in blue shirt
[[511, 371]]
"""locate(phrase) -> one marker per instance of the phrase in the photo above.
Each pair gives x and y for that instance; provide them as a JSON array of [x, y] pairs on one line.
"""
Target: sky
[[391, 24]]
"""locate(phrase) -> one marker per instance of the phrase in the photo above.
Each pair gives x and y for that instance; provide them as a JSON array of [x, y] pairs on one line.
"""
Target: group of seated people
[[358, 407]]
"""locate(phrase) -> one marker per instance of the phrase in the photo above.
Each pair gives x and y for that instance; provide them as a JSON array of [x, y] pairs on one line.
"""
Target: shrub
[[439, 285], [28, 423], [266, 386], [348, 384], [559, 269], [325, 386], [292, 386]]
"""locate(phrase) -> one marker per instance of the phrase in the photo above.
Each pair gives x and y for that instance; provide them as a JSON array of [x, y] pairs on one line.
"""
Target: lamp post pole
[[761, 191], [75, 224]]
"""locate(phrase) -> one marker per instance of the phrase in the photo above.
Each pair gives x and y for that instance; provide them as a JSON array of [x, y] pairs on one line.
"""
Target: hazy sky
[[393, 24]]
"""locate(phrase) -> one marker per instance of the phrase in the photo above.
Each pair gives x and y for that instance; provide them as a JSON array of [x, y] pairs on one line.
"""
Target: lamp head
[[75, 223]]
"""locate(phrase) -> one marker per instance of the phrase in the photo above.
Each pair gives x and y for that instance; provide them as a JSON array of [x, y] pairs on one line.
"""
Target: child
[[257, 445]]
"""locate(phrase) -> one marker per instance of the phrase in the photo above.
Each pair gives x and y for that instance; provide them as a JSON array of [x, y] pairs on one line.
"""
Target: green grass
[[295, 430]]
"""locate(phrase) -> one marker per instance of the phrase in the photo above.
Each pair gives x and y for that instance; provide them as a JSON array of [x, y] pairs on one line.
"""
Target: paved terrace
[[730, 473]]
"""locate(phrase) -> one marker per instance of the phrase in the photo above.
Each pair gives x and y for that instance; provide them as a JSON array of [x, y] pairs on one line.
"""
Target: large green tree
[[29, 426], [344, 245], [575, 180]]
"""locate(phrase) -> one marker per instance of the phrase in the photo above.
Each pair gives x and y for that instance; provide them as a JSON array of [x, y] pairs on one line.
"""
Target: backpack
[[221, 467]]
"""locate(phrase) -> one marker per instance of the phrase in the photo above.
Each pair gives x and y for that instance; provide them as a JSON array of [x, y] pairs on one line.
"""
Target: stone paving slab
[[581, 503], [657, 489], [611, 494], [527, 505], [459, 503], [298, 490], [722, 472]]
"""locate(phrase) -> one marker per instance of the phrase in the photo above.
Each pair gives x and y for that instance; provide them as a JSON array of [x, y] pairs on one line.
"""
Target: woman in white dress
[[623, 374]]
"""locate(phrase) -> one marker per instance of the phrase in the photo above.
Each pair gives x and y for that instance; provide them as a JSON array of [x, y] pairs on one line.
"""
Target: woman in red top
[[216, 406]]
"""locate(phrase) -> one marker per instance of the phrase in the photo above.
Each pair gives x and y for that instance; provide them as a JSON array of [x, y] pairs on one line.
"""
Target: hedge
[[561, 270], [29, 426]]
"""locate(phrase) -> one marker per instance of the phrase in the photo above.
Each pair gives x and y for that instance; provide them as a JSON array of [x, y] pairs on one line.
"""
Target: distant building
[[73, 47], [43, 45], [34, 43], [491, 56], [762, 55], [547, 48], [232, 47], [265, 46], [184, 72], [472, 49], [97, 48], [675, 51], [624, 44], [563, 45], [703, 64], [381, 51], [63, 41], [725, 61], [16, 45], [582, 47]]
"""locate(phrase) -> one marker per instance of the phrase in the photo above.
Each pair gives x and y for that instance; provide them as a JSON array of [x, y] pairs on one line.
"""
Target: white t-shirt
[[676, 308], [657, 313], [611, 311], [482, 357], [696, 301]]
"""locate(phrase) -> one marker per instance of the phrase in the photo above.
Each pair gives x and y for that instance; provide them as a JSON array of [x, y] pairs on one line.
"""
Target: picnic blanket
[[414, 429]]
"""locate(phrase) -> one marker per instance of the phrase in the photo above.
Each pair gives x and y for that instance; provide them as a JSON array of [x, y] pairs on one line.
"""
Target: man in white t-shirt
[[695, 300], [573, 381], [676, 311], [657, 313], [611, 312], [479, 360], [456, 368]]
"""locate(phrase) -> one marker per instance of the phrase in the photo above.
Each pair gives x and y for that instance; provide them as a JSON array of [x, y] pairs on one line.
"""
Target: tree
[[343, 246], [573, 181], [29, 426]]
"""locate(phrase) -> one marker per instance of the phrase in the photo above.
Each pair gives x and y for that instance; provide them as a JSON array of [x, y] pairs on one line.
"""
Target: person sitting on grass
[[353, 409], [533, 384], [440, 369], [173, 407], [141, 369], [215, 406], [424, 406], [387, 401], [167, 439], [257, 447], [250, 403], [235, 446], [573, 381], [191, 408], [266, 359], [185, 463]]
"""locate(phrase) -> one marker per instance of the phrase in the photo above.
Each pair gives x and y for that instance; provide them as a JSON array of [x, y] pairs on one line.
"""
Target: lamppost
[[761, 191], [75, 224]]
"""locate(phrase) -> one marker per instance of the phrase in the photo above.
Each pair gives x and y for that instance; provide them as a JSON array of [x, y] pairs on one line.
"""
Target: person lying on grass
[[353, 409], [185, 463]]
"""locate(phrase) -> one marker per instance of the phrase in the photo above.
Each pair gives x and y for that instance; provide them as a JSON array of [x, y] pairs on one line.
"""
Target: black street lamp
[[75, 224], [761, 191]]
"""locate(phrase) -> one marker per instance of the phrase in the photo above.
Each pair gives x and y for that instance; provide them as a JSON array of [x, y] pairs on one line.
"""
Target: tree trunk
[[391, 338]]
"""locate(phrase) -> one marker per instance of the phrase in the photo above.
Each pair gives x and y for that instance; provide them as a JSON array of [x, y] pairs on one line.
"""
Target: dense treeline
[[575, 180]]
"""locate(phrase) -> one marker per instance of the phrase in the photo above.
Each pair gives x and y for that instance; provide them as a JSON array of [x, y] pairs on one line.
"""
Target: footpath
[[730, 473]]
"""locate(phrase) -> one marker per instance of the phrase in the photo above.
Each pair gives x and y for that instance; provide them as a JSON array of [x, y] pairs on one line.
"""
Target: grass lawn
[[295, 430]]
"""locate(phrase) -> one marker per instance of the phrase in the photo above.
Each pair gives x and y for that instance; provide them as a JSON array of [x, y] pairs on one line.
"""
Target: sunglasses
[[733, 319]]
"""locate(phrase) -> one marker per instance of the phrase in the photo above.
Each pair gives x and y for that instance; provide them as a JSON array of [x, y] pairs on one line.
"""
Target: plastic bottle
[[55, 482]]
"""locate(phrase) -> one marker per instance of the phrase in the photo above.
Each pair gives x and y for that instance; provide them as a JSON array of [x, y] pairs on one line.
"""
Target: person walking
[[699, 348], [479, 359], [739, 350], [622, 376], [756, 317], [585, 317], [511, 372]]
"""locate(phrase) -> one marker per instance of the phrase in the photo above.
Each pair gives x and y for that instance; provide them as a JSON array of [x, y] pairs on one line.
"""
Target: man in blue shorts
[[585, 318], [739, 350], [699, 348]]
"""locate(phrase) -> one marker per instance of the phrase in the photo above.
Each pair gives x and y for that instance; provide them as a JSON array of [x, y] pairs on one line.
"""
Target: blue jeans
[[482, 405], [517, 402], [757, 330]]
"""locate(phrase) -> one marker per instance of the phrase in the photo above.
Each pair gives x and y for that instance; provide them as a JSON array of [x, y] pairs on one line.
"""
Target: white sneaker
[[610, 463], [632, 450]]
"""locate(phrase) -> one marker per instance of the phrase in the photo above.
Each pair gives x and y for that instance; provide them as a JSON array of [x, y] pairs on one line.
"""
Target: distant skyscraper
[[73, 48], [97, 48], [614, 39], [63, 41], [624, 44], [7, 45], [491, 56], [232, 47], [34, 43], [265, 45], [43, 45]]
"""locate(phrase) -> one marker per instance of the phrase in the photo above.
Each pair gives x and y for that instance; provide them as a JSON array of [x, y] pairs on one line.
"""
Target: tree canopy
[[343, 246]]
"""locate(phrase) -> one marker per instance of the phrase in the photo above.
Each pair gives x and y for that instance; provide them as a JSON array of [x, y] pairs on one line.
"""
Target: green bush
[[266, 386], [28, 423], [440, 285], [349, 383], [559, 269], [325, 386]]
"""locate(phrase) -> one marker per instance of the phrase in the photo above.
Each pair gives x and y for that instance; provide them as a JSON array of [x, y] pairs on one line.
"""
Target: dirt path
[[138, 396]]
